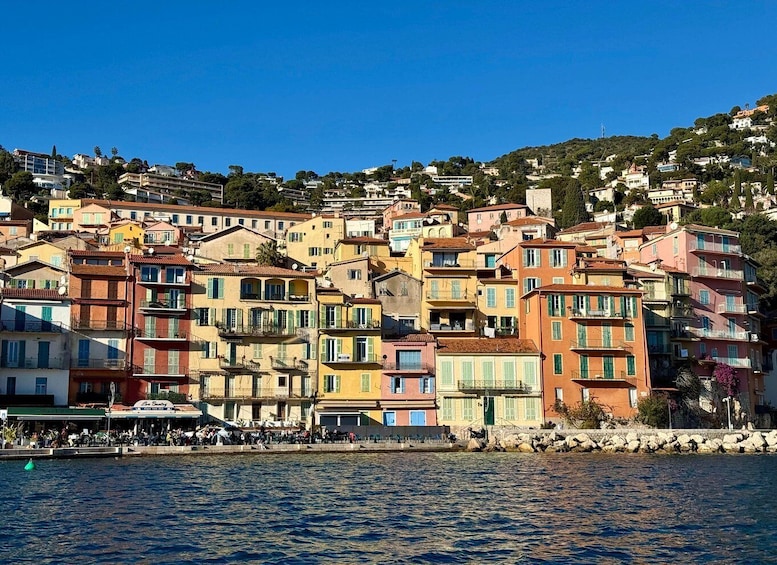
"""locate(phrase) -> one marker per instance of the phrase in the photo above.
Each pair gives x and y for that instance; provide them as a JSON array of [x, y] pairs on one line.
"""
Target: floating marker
[[29, 466]]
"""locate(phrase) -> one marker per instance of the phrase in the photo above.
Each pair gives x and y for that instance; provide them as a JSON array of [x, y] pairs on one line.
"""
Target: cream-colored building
[[312, 243], [237, 243]]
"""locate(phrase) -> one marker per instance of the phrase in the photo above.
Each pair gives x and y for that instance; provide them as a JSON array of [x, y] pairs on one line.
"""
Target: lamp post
[[727, 400], [669, 407], [110, 405]]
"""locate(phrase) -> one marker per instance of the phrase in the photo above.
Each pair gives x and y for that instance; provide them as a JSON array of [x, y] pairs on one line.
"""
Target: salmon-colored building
[[408, 382]]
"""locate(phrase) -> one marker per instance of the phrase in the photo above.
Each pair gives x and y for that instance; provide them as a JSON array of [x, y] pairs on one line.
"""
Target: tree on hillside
[[749, 198], [7, 165], [648, 216], [574, 211], [97, 151], [736, 203], [20, 187], [770, 183], [114, 151], [714, 216]]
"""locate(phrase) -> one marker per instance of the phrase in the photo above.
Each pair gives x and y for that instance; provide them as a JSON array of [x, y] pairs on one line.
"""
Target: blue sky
[[341, 86]]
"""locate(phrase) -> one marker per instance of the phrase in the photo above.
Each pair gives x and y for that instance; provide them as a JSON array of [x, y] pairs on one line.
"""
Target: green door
[[609, 371], [488, 410]]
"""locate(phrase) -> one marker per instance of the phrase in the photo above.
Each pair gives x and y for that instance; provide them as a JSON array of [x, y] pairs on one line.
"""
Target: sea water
[[392, 508]]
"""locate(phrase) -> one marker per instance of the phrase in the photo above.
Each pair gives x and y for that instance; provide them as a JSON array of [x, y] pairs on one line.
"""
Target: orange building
[[541, 262]]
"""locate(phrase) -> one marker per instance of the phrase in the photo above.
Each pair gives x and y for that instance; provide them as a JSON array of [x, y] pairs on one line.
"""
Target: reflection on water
[[392, 508]]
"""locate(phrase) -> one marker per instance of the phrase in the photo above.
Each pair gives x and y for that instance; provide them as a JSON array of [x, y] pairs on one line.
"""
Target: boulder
[[475, 444], [757, 440], [732, 438], [525, 447], [582, 438], [633, 446], [631, 436], [697, 439], [731, 447], [771, 438]]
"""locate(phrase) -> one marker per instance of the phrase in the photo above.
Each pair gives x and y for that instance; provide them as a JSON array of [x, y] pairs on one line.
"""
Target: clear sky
[[342, 86]]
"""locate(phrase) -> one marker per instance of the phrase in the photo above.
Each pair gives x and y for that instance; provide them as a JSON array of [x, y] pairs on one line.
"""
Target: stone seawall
[[625, 441]]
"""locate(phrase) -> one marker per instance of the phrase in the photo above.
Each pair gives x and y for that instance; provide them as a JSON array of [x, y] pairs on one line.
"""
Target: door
[[45, 317], [389, 418], [609, 367], [581, 335], [417, 418], [488, 410], [20, 317], [584, 366], [83, 352], [606, 335], [43, 354]]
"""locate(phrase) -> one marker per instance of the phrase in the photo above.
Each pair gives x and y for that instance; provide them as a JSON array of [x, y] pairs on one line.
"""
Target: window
[[446, 373], [555, 305], [201, 220], [241, 222], [491, 297], [203, 316], [629, 331], [327, 225], [256, 352], [354, 275], [215, 287], [280, 225], [509, 404], [230, 249], [227, 222], [175, 219], [246, 251], [365, 382], [633, 397], [175, 275], [397, 385], [559, 394], [448, 413], [149, 274], [295, 237], [41, 385], [631, 366], [331, 383], [555, 327], [189, 219], [426, 385], [209, 349], [530, 408], [530, 283], [585, 394], [531, 257], [468, 405], [214, 221], [510, 297], [314, 251], [558, 257], [704, 297]]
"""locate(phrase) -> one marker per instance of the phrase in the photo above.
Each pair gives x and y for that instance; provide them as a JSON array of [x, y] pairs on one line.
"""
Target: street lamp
[[669, 407], [111, 399], [727, 400]]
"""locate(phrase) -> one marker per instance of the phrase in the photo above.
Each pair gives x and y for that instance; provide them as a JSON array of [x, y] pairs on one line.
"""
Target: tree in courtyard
[[267, 254], [770, 183], [648, 216]]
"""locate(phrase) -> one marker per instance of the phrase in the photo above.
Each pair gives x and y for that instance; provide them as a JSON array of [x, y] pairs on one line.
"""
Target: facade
[[488, 381], [237, 243], [312, 242], [101, 329], [255, 359], [408, 396], [151, 187], [483, 219], [349, 360], [352, 276], [35, 352], [399, 208], [92, 218], [399, 294]]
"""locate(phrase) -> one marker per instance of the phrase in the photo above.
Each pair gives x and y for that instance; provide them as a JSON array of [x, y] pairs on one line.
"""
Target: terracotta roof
[[583, 288], [31, 293], [98, 270], [363, 239], [585, 226], [413, 338], [444, 207], [499, 207], [529, 220], [630, 233], [258, 270], [479, 234], [364, 301], [489, 345], [674, 203], [166, 260], [587, 249], [409, 216], [540, 242], [447, 243], [90, 253]]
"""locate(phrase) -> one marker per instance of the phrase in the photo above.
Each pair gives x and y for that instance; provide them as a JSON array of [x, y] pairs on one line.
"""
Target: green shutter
[[370, 348], [210, 287], [221, 288], [212, 317], [550, 304]]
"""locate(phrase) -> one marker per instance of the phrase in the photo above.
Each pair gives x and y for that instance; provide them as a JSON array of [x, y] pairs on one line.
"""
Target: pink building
[[483, 219], [407, 384], [726, 322]]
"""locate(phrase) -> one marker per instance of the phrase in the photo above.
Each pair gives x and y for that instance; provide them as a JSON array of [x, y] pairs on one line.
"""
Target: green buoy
[[29, 466]]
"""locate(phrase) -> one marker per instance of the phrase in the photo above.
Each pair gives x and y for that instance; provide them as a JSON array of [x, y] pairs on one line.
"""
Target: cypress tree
[[574, 208], [770, 183], [749, 197], [736, 203]]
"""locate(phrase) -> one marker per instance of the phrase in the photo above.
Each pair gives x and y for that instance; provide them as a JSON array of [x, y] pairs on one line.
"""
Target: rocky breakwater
[[702, 441]]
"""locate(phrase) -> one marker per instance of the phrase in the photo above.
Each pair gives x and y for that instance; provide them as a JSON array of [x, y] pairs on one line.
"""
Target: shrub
[[653, 411], [587, 415]]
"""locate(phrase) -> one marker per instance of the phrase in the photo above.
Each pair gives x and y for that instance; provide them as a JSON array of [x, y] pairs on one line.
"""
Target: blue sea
[[392, 508]]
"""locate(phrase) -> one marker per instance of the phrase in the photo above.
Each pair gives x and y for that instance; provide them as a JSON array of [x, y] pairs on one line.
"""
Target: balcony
[[36, 363], [219, 395], [681, 290], [682, 312], [657, 322], [235, 366], [350, 325], [659, 349], [99, 325], [273, 297], [713, 273], [348, 359], [714, 247], [599, 345], [457, 327], [736, 362], [597, 314], [719, 334], [36, 326], [603, 378], [177, 281], [654, 298], [515, 387], [450, 296], [163, 306], [91, 363], [757, 283], [731, 308], [239, 331], [450, 264], [754, 309], [418, 368], [142, 335], [154, 375], [288, 364]]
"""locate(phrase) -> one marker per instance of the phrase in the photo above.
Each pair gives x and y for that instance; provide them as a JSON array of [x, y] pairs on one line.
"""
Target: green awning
[[48, 413]]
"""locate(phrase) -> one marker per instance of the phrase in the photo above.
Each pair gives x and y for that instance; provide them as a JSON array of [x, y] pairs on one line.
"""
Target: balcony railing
[[422, 368], [239, 366], [469, 326], [345, 358], [239, 330], [598, 314], [99, 325], [288, 364], [603, 376], [736, 362], [719, 334], [35, 363], [715, 247], [94, 397], [483, 386], [160, 336], [351, 325], [731, 308], [600, 345], [457, 264], [682, 312], [659, 348], [179, 304], [273, 297], [36, 326], [215, 394], [152, 373], [714, 273], [163, 281], [450, 295], [91, 363]]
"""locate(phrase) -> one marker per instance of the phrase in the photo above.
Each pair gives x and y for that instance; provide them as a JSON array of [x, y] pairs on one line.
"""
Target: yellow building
[[498, 304], [358, 247], [42, 251], [447, 269], [313, 241], [125, 232], [255, 330], [350, 362]]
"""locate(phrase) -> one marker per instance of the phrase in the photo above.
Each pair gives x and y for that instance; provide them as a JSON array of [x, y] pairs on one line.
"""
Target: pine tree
[[574, 208]]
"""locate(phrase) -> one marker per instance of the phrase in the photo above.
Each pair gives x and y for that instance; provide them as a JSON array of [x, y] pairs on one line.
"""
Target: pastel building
[[408, 396], [488, 381], [312, 242]]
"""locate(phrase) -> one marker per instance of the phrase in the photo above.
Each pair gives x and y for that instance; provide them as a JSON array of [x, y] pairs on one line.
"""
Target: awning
[[47, 413], [154, 414]]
